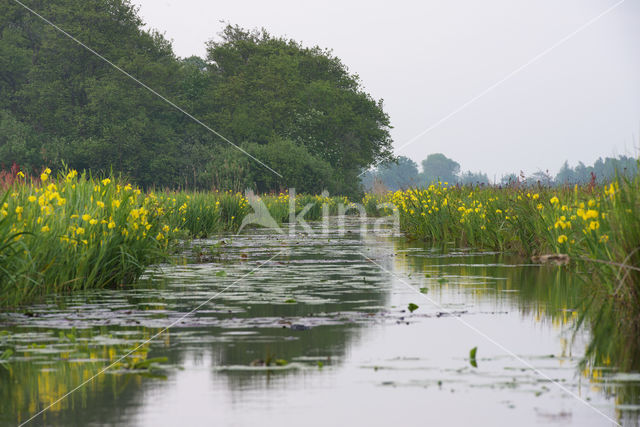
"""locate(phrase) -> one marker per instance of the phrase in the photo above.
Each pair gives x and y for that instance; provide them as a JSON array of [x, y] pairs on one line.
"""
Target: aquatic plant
[[594, 227], [72, 232]]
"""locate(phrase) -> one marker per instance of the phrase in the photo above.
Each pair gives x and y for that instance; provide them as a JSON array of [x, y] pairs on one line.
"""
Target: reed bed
[[595, 228], [73, 232], [594, 224]]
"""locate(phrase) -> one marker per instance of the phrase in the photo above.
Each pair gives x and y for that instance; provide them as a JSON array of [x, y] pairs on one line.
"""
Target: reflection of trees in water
[[28, 386], [548, 293], [349, 286], [338, 324]]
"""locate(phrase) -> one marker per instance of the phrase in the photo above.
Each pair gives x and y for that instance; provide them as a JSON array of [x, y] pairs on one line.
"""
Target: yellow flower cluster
[[79, 212], [505, 219]]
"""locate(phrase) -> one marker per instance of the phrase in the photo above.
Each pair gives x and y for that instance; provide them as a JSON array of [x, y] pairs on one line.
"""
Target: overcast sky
[[579, 101]]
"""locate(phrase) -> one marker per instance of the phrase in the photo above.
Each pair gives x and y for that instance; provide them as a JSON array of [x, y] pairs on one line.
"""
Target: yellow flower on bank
[[32, 199], [79, 231], [562, 239], [554, 200], [86, 217], [591, 214], [106, 182], [45, 229]]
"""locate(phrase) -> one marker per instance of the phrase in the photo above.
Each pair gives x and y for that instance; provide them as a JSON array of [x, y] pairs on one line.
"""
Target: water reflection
[[547, 294], [338, 321]]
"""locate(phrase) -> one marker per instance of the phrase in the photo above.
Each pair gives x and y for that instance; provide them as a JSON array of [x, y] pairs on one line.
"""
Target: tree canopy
[[398, 174], [403, 173], [438, 167], [269, 95]]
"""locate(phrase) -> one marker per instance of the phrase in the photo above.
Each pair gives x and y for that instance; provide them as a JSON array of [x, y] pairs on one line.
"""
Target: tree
[[474, 178], [438, 167], [603, 169], [399, 174], [541, 178], [263, 86], [83, 111], [253, 88], [18, 143], [565, 175], [509, 179]]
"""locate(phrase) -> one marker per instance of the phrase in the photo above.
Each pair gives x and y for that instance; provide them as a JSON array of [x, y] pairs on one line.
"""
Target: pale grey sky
[[425, 59]]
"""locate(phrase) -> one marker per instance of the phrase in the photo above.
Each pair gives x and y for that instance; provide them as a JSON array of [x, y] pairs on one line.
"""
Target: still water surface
[[354, 354]]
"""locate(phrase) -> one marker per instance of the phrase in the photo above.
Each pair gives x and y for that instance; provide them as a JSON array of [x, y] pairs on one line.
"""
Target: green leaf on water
[[472, 357], [281, 362], [291, 301], [427, 275], [424, 290], [413, 307], [442, 280], [221, 273]]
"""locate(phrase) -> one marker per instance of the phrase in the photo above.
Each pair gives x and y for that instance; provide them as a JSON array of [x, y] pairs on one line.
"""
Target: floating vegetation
[[136, 364], [472, 357]]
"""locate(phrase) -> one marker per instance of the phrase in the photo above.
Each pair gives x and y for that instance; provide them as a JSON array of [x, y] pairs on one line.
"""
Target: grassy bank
[[69, 232], [598, 227]]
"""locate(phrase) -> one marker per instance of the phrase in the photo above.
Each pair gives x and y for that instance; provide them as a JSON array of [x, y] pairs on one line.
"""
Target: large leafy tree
[[398, 174], [87, 113], [263, 86], [59, 102]]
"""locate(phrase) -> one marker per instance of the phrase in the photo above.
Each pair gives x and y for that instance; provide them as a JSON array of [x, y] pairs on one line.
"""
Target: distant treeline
[[403, 173], [297, 109]]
